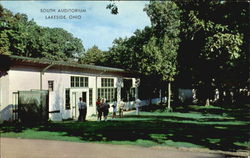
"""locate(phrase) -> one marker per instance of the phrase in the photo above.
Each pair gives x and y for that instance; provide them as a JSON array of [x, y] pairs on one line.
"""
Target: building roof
[[43, 63]]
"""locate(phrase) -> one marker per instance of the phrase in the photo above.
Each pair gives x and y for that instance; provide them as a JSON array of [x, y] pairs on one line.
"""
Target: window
[[84, 97], [91, 97], [107, 82], [82, 82], [15, 105], [72, 81], [108, 93], [67, 99], [76, 81], [51, 85], [128, 94]]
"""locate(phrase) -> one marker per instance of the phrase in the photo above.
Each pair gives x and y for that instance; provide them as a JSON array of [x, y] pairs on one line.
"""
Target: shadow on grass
[[201, 118], [238, 112], [159, 132], [152, 131], [13, 127]]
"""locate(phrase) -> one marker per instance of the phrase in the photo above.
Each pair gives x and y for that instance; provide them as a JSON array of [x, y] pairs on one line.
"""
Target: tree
[[113, 8], [213, 51], [165, 19], [93, 56], [22, 37], [57, 44], [211, 44], [153, 50]]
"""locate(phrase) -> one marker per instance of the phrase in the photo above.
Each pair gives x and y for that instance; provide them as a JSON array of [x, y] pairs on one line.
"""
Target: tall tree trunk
[[160, 96], [169, 94], [207, 102]]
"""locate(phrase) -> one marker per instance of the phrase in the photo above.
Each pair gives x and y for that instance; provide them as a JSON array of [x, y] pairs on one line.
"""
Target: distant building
[[63, 83]]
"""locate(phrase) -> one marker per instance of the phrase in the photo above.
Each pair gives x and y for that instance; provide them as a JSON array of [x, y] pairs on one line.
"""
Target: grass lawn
[[198, 128]]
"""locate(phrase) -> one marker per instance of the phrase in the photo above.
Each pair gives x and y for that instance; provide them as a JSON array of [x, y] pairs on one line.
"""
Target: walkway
[[30, 148]]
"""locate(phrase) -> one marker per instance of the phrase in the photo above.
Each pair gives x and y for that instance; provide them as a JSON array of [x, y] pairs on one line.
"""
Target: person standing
[[121, 107], [137, 106], [98, 108], [80, 107], [114, 109], [84, 113], [105, 108]]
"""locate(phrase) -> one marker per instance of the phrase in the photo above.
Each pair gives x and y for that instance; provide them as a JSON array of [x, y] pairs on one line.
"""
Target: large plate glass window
[[108, 91], [77, 81]]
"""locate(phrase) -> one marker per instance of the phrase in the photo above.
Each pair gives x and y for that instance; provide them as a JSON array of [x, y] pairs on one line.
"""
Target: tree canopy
[[200, 44], [23, 37], [196, 44], [153, 50], [93, 56], [213, 44]]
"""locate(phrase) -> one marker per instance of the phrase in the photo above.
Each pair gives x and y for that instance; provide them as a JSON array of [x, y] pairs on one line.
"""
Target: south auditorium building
[[57, 86]]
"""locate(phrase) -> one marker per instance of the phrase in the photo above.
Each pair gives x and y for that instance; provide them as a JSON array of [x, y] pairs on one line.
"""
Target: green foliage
[[93, 56], [213, 50], [223, 44], [153, 50], [165, 18], [22, 37], [120, 54], [4, 44], [219, 39], [113, 8]]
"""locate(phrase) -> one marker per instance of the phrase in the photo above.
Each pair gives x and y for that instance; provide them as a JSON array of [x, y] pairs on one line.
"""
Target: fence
[[33, 106]]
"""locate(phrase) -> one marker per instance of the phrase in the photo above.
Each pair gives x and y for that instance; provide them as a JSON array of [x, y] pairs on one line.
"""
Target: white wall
[[25, 79], [57, 97], [5, 105]]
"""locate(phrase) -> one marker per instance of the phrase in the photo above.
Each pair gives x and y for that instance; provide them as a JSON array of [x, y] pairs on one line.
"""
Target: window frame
[[90, 96], [67, 99], [107, 82], [79, 81], [51, 89], [107, 93]]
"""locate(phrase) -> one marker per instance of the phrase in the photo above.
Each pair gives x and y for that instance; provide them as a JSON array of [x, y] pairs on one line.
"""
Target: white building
[[65, 83]]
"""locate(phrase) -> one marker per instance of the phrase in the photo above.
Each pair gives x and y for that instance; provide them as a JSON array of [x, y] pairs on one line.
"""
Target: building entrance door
[[75, 99]]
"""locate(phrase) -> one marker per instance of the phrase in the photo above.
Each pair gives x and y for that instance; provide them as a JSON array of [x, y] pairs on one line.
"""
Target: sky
[[95, 26]]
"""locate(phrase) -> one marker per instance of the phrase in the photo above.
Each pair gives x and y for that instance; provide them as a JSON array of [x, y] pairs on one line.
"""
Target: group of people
[[102, 108], [118, 107]]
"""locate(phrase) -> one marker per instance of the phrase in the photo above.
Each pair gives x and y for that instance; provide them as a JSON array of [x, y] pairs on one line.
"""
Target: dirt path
[[35, 148], [30, 148]]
